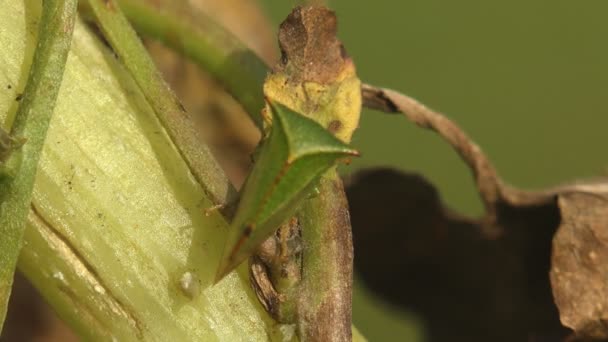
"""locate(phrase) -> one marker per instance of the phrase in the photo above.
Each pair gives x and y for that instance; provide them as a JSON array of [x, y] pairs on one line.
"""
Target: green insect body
[[297, 151]]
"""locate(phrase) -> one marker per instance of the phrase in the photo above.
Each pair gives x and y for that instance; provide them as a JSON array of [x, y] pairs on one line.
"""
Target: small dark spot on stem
[[18, 97], [248, 230], [334, 126], [9, 87]]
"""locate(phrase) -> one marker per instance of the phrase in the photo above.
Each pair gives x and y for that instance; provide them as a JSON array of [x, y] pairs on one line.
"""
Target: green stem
[[209, 45], [31, 122], [167, 107], [324, 311]]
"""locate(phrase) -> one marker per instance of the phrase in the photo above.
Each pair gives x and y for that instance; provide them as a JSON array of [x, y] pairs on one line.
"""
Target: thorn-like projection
[[296, 153]]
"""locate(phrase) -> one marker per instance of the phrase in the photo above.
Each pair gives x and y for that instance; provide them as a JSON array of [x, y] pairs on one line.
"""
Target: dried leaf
[[580, 264], [522, 235], [466, 283]]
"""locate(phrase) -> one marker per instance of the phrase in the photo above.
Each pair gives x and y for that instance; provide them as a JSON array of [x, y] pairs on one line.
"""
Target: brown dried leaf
[[580, 264], [466, 284], [522, 229]]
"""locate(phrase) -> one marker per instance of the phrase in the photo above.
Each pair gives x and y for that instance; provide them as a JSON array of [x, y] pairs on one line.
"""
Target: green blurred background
[[528, 80]]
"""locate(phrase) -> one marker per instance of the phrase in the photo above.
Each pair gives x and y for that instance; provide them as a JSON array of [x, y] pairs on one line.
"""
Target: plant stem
[[489, 184], [31, 123], [324, 310], [167, 107], [209, 45]]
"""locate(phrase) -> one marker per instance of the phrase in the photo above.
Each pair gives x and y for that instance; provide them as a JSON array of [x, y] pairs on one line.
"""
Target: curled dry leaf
[[492, 272]]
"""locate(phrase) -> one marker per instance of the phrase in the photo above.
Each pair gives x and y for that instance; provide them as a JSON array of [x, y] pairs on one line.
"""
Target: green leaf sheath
[[31, 122], [297, 151], [167, 107], [117, 242], [206, 43]]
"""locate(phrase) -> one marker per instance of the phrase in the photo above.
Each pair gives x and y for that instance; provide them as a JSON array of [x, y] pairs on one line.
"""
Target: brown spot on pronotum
[[248, 230], [334, 126]]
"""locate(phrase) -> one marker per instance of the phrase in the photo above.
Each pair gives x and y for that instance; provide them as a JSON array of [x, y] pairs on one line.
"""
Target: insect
[[296, 152]]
